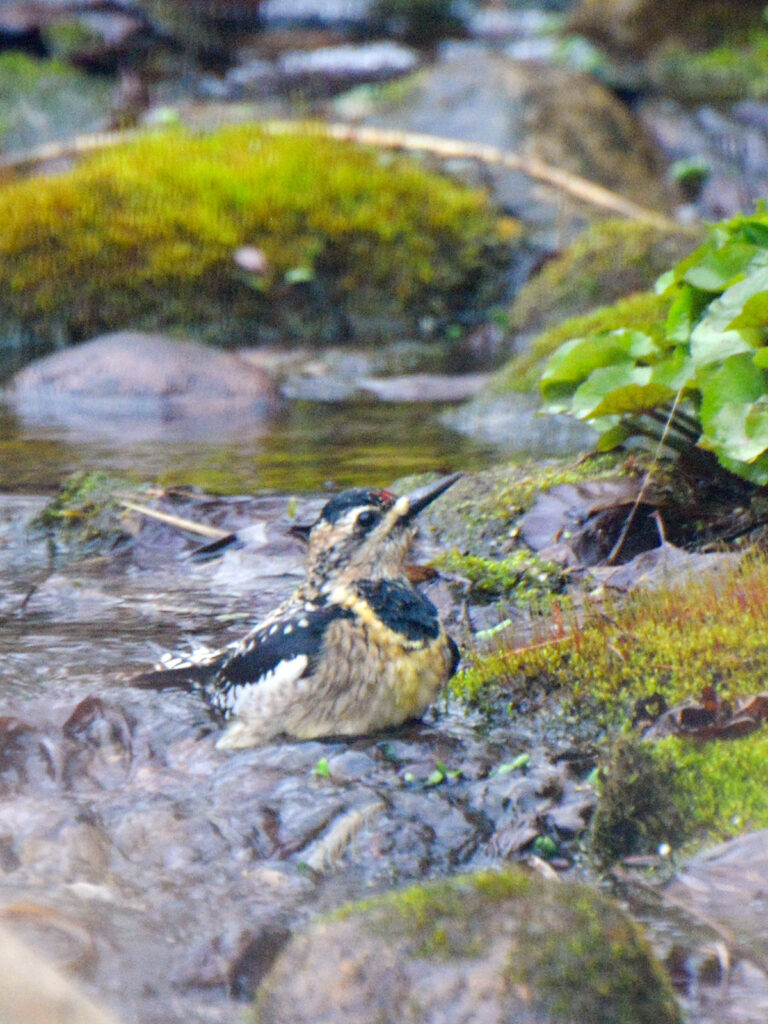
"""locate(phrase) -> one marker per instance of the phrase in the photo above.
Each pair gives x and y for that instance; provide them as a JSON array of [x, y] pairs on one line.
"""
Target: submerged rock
[[142, 383], [487, 947]]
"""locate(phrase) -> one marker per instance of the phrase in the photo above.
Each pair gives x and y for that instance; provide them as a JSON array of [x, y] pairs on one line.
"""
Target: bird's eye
[[367, 518]]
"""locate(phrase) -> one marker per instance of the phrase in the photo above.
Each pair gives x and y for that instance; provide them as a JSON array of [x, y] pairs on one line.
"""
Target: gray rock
[[562, 117], [142, 385], [486, 948]]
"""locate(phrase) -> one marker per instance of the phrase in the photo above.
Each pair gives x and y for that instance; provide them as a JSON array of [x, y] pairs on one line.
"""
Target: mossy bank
[[244, 236]]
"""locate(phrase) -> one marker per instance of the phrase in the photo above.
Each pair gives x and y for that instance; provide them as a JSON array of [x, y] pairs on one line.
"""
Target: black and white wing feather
[[274, 655]]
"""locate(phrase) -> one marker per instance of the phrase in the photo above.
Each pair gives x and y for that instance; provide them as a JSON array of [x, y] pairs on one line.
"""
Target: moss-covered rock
[[735, 70], [635, 26], [46, 100], [645, 311], [507, 946], [342, 239], [609, 261], [608, 655]]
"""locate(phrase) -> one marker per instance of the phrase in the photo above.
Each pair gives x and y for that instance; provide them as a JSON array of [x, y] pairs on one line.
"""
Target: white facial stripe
[[401, 506]]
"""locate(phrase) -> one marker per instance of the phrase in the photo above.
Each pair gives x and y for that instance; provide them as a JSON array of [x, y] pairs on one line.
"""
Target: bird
[[355, 649]]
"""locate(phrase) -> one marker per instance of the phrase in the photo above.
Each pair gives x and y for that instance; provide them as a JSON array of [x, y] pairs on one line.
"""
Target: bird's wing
[[273, 656]]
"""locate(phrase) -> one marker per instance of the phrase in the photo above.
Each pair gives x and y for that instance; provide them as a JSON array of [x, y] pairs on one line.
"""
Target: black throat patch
[[401, 608]]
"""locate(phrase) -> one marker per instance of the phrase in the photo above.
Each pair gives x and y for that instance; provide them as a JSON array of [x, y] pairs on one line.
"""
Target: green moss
[[721, 786], [145, 235], [521, 577], [733, 71], [609, 654], [638, 809], [644, 311], [576, 954], [86, 514], [611, 259], [440, 917], [594, 966], [481, 516]]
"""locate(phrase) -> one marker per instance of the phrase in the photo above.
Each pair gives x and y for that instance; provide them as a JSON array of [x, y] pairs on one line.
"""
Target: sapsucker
[[355, 649]]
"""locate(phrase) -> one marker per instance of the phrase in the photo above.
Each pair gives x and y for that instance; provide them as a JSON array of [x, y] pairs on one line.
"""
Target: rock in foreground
[[488, 948]]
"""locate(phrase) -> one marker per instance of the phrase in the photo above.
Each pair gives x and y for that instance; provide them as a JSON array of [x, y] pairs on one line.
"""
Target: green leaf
[[684, 313], [677, 372], [719, 334], [756, 232], [665, 282], [577, 358], [732, 399], [754, 312], [521, 761], [613, 437], [437, 776], [322, 768], [719, 268], [739, 430], [618, 390]]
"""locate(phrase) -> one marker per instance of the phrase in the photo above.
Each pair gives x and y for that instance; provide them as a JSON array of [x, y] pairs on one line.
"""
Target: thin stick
[[212, 532], [580, 188], [645, 484]]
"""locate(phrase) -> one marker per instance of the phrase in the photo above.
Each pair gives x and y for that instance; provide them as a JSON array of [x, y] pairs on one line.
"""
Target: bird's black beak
[[418, 500]]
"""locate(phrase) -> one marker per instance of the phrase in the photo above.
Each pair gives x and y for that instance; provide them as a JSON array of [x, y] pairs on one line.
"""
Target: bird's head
[[367, 532]]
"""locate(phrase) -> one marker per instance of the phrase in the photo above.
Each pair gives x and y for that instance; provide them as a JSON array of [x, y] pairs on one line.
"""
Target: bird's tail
[[189, 677], [189, 672]]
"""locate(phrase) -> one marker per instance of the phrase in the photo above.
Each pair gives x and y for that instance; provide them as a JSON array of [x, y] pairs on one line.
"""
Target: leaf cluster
[[712, 355]]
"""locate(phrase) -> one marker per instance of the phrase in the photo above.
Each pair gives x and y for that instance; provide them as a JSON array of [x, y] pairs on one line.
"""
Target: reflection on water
[[311, 443]]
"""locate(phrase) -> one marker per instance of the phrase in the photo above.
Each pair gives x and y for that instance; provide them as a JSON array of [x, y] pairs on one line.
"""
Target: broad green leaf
[[716, 336], [754, 312], [684, 313], [736, 381], [613, 437], [676, 372], [756, 233], [577, 358], [665, 282], [760, 358], [617, 390], [719, 268], [738, 430], [557, 395]]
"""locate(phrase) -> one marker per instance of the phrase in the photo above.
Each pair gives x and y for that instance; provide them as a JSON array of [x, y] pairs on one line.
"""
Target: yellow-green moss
[[645, 311], [638, 808], [481, 516], [609, 260], [521, 576], [593, 966], [722, 785], [145, 234], [86, 513], [577, 955], [674, 641]]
